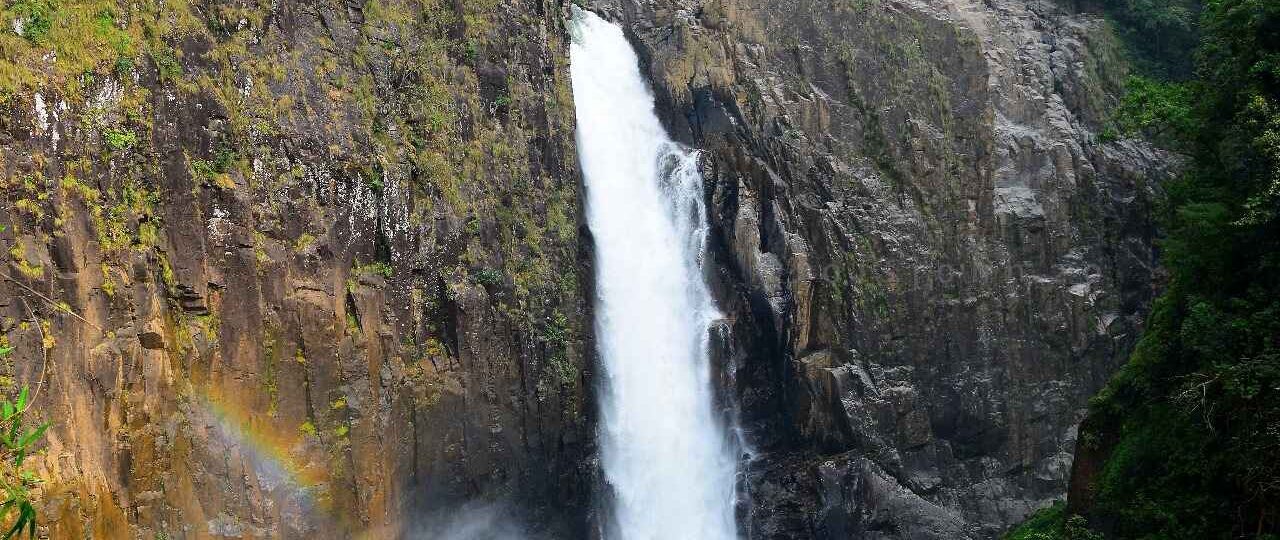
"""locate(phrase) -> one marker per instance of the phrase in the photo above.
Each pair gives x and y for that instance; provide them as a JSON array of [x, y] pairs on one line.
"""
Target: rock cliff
[[296, 269], [930, 252], [318, 269]]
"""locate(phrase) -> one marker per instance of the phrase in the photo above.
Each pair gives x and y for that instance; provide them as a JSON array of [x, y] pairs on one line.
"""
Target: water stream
[[665, 450]]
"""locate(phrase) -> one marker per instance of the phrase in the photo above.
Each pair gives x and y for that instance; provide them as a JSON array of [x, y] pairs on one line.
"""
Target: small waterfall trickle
[[666, 453]]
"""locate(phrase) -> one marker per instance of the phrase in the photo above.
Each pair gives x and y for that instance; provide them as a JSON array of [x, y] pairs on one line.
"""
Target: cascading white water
[[664, 449]]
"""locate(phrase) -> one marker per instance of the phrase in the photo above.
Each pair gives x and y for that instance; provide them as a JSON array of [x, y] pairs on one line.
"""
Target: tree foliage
[[1053, 523], [1160, 34], [1195, 414], [1161, 111]]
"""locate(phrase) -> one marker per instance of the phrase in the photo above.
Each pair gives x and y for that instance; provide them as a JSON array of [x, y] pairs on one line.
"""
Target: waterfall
[[664, 448]]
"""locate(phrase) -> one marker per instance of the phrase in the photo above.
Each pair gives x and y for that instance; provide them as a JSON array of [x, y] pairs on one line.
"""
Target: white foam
[[665, 452]]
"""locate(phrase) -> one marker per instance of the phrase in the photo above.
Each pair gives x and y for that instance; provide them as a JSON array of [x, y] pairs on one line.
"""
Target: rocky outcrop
[[931, 256], [297, 269]]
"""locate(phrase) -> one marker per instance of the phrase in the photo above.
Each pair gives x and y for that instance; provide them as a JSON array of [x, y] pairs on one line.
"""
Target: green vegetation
[[35, 17], [1160, 38], [122, 218], [303, 242], [16, 481], [487, 277], [1189, 430], [1160, 34], [90, 38], [18, 253], [216, 171], [375, 268], [560, 374], [1052, 523], [1042, 525], [1161, 111], [119, 139], [271, 370]]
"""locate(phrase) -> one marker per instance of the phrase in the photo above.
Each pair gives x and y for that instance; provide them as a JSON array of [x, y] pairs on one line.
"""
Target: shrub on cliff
[[16, 481]]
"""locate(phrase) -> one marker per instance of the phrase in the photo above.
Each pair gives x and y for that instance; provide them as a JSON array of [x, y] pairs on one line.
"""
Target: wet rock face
[[328, 261], [928, 255]]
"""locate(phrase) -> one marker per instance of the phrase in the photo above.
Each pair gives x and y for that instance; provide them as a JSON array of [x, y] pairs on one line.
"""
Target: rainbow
[[277, 455]]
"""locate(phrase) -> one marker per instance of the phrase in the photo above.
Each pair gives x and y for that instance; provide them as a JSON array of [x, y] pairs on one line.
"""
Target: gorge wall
[[932, 253], [314, 269], [319, 268]]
